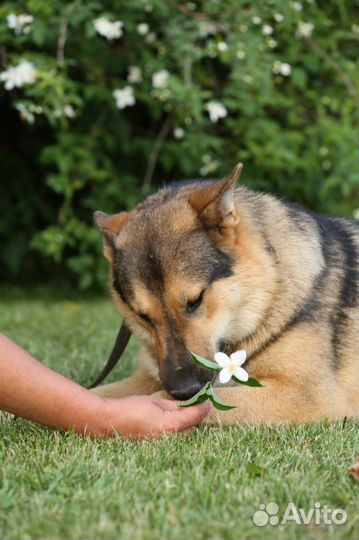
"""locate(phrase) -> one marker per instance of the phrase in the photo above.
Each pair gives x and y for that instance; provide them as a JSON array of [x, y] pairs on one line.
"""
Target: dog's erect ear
[[214, 203], [110, 225]]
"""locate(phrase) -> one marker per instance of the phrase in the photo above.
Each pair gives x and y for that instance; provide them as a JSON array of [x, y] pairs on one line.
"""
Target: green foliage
[[66, 149]]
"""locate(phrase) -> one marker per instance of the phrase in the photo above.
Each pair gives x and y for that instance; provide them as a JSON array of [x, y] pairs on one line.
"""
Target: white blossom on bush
[[267, 29], [124, 97], [17, 76], [222, 46], [304, 29], [69, 111], [248, 79], [256, 20], [160, 79], [282, 68], [210, 165], [272, 43], [278, 17], [143, 29], [241, 54], [21, 24], [323, 151], [134, 75], [216, 111], [297, 6], [25, 113], [178, 133], [109, 30]]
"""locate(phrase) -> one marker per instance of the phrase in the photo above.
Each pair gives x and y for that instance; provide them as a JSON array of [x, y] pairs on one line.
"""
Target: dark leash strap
[[122, 339]]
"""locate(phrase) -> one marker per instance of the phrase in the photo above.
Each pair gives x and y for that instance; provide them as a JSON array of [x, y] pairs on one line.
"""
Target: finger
[[185, 418], [168, 404]]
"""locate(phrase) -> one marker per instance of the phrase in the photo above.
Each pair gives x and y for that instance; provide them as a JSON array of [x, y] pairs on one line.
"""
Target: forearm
[[33, 391]]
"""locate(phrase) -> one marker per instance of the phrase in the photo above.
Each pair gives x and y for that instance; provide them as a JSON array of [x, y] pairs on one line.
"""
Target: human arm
[[33, 391]]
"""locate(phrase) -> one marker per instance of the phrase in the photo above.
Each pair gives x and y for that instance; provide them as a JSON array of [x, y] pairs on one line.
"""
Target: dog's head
[[173, 261]]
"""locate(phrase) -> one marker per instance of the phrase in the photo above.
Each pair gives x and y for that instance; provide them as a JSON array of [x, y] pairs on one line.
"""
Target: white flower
[[124, 97], [178, 133], [109, 30], [21, 24], [241, 55], [17, 76], [143, 29], [356, 214], [160, 79], [247, 78], [304, 29], [222, 46], [134, 75], [282, 68], [267, 29], [12, 21], [210, 165], [216, 110], [323, 151], [278, 17], [256, 20], [285, 69], [297, 6], [272, 43], [25, 113], [231, 366], [69, 111]]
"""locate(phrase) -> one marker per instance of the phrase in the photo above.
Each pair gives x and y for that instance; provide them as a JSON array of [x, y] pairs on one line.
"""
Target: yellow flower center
[[232, 367]]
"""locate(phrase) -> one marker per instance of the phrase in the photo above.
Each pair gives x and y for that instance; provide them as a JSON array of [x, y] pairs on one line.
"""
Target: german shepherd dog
[[202, 266]]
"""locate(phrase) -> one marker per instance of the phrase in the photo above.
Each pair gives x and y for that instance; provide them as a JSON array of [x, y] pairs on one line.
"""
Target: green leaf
[[204, 362], [205, 393], [198, 398], [217, 401], [251, 382]]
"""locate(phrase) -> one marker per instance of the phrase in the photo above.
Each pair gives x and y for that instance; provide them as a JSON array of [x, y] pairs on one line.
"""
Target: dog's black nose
[[186, 392]]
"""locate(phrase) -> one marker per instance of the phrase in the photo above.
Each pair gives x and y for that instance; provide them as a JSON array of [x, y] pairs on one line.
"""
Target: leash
[[122, 339]]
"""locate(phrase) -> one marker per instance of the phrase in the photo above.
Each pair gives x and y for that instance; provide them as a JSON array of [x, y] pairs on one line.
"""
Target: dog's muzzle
[[184, 383]]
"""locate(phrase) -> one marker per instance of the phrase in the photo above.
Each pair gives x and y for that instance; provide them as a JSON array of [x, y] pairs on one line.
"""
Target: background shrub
[[281, 75]]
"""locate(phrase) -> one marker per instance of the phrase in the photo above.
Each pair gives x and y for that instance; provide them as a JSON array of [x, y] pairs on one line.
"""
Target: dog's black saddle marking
[[119, 347]]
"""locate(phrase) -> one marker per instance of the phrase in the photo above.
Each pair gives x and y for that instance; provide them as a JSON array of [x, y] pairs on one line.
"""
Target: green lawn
[[203, 486]]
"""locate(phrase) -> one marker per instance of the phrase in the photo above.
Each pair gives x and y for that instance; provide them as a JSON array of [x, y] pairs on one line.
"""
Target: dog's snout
[[186, 392], [183, 383]]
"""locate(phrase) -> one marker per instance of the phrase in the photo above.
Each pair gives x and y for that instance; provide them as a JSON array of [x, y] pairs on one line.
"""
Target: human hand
[[148, 416]]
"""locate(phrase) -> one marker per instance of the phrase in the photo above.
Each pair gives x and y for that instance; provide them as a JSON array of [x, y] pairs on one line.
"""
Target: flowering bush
[[102, 101]]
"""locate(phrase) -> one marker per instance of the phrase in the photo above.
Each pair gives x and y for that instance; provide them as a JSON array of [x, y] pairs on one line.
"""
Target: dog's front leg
[[143, 382], [274, 403]]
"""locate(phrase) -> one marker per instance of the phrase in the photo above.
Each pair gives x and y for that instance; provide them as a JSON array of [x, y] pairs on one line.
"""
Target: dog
[[204, 266]]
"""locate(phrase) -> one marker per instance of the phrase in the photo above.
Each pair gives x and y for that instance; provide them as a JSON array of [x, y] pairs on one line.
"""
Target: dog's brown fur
[[278, 281]]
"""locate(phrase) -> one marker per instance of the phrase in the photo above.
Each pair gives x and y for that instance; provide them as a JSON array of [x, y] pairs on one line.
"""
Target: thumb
[[187, 417]]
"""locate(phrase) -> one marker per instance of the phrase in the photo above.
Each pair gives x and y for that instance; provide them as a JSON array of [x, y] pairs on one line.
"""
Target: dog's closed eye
[[193, 305], [146, 318]]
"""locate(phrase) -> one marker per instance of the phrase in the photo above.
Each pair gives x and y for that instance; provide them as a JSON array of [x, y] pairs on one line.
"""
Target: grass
[[206, 485]]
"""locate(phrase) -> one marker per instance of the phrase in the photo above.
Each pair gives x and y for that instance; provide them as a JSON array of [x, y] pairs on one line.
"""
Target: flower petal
[[239, 357], [222, 359], [225, 375], [241, 374]]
